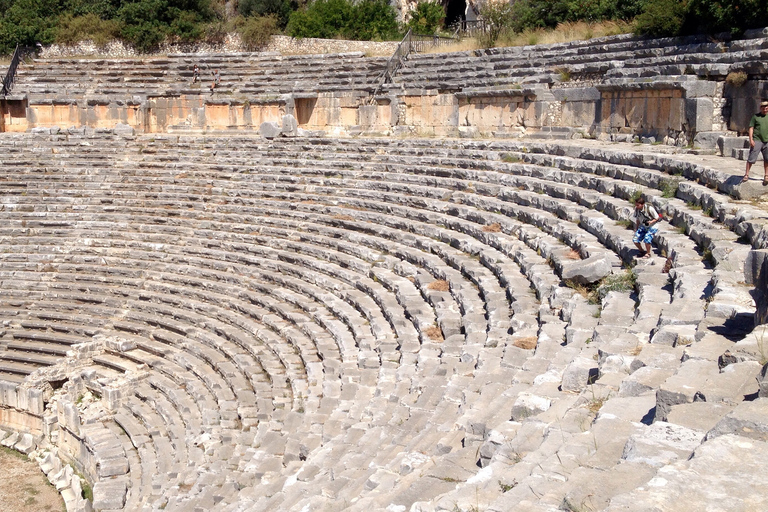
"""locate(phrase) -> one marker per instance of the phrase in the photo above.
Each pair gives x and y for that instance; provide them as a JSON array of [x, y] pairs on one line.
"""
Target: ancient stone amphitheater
[[314, 290]]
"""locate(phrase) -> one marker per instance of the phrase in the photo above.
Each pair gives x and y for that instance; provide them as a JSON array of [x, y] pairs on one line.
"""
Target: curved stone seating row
[[248, 74], [348, 223], [613, 57]]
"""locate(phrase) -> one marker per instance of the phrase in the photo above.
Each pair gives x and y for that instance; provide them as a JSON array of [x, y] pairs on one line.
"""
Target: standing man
[[216, 80], [758, 141], [646, 218]]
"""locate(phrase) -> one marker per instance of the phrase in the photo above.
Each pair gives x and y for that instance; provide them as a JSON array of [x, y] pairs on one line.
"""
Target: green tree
[[322, 18], [372, 20], [27, 22], [661, 18], [427, 18], [726, 15], [532, 14], [498, 17]]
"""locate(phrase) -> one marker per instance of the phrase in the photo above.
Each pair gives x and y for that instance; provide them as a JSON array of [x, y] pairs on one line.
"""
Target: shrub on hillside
[[363, 20], [281, 9], [529, 14], [661, 18], [733, 16], [72, 29], [427, 17], [256, 31]]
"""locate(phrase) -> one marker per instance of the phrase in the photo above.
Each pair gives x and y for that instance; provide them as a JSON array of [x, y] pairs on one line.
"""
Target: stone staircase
[[378, 324]]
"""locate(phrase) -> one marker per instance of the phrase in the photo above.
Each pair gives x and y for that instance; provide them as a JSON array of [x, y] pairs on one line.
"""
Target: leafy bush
[[364, 20], [528, 14], [72, 29], [498, 16], [281, 9], [255, 31], [427, 18], [661, 18]]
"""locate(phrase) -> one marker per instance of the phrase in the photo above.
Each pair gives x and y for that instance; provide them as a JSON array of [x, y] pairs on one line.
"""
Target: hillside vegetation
[[148, 23]]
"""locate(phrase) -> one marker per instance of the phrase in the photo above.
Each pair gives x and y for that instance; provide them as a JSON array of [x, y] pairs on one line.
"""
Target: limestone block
[[707, 139], [109, 494], [123, 129], [762, 381], [644, 380], [269, 130], [756, 274], [662, 443], [714, 476], [701, 416], [674, 335], [528, 405], [587, 271], [290, 126], [746, 420], [635, 409], [684, 386], [578, 374], [699, 113], [11, 440], [732, 384], [26, 444]]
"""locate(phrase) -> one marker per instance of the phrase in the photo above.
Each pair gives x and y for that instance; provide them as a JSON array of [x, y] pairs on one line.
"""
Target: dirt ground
[[23, 487]]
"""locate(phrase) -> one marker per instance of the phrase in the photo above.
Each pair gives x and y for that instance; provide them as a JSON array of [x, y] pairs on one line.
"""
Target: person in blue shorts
[[758, 141], [646, 218]]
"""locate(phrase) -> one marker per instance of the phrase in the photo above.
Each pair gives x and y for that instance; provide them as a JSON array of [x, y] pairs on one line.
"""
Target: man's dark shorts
[[760, 147]]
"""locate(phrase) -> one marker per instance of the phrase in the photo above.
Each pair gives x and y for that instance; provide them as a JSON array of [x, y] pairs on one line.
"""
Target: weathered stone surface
[[528, 405], [269, 130], [587, 271], [713, 477], [578, 374], [747, 420], [702, 416], [290, 126], [662, 443]]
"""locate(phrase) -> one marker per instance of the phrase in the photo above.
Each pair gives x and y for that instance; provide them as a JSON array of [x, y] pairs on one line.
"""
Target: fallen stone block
[[662, 443], [748, 420], [578, 374], [269, 130], [109, 494], [701, 416]]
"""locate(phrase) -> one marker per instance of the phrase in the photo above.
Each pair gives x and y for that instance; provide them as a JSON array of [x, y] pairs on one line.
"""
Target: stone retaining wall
[[282, 44]]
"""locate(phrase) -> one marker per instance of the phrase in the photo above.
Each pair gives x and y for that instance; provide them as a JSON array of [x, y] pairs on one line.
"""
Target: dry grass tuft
[[566, 32], [528, 343], [440, 285], [465, 45], [492, 228], [434, 333], [573, 255], [340, 216]]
